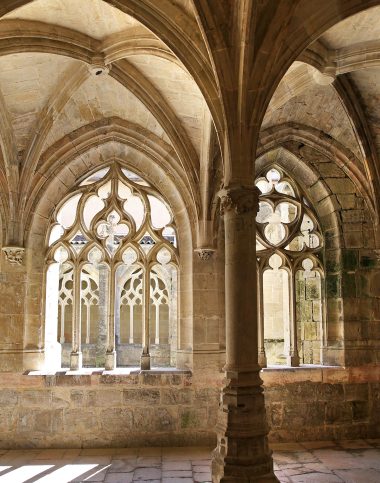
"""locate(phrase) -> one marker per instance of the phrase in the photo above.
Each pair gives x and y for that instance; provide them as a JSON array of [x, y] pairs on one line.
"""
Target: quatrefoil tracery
[[112, 211], [285, 222]]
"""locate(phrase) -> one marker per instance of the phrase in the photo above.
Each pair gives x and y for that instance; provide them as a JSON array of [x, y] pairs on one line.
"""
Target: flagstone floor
[[314, 462]]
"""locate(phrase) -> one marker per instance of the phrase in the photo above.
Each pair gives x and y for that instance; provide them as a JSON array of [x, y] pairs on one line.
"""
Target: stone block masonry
[[179, 409], [104, 410], [325, 403]]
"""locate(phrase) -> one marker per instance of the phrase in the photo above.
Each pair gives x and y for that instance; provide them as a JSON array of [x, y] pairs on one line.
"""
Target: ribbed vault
[[169, 67]]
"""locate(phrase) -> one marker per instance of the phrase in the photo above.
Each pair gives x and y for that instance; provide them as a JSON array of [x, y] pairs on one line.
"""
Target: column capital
[[241, 199], [205, 253], [14, 255]]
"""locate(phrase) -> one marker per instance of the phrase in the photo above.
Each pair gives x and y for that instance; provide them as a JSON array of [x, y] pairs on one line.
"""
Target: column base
[[75, 361], [240, 475], [110, 361], [262, 359], [242, 453], [145, 362], [293, 360]]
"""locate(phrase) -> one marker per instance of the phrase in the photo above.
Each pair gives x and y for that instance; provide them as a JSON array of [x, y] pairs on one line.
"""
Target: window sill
[[300, 367], [275, 375], [119, 371]]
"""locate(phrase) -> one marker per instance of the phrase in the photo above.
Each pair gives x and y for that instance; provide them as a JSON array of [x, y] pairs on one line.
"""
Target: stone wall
[[13, 287], [323, 403], [177, 408], [100, 410]]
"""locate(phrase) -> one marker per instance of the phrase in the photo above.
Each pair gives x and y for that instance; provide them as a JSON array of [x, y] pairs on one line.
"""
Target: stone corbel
[[14, 255], [205, 253], [205, 244]]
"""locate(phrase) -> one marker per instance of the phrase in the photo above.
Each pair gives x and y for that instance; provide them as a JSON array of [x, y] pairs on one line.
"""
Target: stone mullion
[[62, 335], [157, 338], [242, 452], [88, 326], [262, 358], [118, 321], [131, 323], [101, 340], [76, 353], [293, 356], [110, 362], [145, 356]]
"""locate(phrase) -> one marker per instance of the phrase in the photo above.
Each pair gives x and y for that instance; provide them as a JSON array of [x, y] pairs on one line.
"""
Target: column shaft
[[157, 338], [131, 328], [110, 362], [76, 353], [62, 336], [242, 453], [145, 356], [293, 357], [88, 326], [260, 300]]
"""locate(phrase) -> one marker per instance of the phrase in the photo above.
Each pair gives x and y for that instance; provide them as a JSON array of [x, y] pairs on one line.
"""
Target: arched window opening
[[290, 273], [276, 310], [114, 243]]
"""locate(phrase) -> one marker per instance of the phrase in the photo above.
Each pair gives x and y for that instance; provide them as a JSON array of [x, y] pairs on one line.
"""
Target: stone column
[[293, 356], [260, 313], [118, 321], [101, 340], [145, 356], [242, 453], [76, 352], [110, 362], [131, 323]]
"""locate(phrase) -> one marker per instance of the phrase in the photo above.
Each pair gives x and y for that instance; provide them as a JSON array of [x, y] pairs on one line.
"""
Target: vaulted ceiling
[[334, 88], [70, 68]]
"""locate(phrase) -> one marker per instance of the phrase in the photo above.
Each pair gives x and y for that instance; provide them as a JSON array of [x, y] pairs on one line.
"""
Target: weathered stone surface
[[116, 420], [141, 396], [189, 127], [175, 397], [302, 404]]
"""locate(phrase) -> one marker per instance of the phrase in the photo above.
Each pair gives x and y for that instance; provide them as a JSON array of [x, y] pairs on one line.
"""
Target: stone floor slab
[[359, 476], [316, 478], [315, 462], [176, 465], [119, 478]]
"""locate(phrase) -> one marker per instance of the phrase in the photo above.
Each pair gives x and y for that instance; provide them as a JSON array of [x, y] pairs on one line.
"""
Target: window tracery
[[114, 239], [289, 246]]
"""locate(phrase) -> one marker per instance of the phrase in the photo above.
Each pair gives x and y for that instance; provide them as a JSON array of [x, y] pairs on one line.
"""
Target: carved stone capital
[[14, 255], [241, 199], [205, 253]]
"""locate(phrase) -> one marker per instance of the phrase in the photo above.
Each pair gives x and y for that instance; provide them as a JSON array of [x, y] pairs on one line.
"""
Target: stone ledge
[[176, 377], [322, 374], [94, 377]]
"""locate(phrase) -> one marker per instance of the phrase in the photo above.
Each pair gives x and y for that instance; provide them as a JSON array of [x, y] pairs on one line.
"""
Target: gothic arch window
[[289, 246], [111, 279]]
